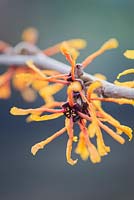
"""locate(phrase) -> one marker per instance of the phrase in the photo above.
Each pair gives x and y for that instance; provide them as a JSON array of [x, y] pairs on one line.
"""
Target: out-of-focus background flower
[[47, 175]]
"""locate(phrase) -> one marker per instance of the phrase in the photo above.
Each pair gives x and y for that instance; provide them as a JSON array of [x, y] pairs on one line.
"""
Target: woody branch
[[42, 61]]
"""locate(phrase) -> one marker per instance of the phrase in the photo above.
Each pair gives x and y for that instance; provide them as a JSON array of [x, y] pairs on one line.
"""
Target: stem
[[108, 89]]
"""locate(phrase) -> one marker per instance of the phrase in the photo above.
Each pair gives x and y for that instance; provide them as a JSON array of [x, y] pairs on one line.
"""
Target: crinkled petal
[[81, 148], [125, 72], [69, 127], [43, 143]]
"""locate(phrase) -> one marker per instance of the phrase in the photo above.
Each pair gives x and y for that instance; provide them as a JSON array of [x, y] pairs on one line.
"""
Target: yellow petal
[[125, 72], [110, 44], [81, 148], [102, 148], [119, 101], [39, 84], [129, 54], [125, 101], [69, 127], [51, 89], [77, 43], [19, 111], [21, 81], [94, 155], [127, 130], [129, 84], [91, 129], [74, 44], [36, 111], [92, 87]]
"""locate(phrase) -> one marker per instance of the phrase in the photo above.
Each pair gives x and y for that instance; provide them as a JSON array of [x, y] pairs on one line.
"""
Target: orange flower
[[5, 78], [29, 82], [82, 107]]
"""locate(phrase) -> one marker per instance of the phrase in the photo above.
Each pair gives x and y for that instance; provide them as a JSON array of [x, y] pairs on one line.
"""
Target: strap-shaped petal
[[125, 72], [69, 127], [71, 59], [129, 54], [81, 148], [43, 143], [129, 84], [45, 117], [74, 43], [115, 136], [93, 153], [20, 111], [110, 44]]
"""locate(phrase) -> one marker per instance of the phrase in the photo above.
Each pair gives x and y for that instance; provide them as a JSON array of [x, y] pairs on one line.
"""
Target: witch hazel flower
[[82, 108], [24, 79]]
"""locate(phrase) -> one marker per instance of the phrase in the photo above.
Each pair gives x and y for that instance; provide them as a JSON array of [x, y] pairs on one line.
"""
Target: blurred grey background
[[47, 176]]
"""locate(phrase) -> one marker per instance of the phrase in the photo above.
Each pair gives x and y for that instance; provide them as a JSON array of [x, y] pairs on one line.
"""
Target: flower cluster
[[28, 80], [82, 107]]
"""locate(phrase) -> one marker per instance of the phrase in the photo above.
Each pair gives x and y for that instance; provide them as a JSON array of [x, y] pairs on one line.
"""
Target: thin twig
[[108, 89]]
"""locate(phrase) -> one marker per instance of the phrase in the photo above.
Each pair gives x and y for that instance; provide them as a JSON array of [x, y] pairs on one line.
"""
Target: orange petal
[[69, 127], [45, 117], [5, 91], [74, 43], [118, 138], [30, 35], [43, 143], [73, 87], [110, 44], [66, 52]]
